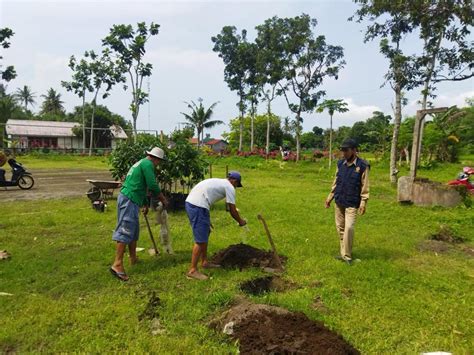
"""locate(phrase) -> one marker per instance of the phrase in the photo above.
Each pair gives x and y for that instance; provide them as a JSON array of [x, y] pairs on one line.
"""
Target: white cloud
[[356, 113], [441, 100]]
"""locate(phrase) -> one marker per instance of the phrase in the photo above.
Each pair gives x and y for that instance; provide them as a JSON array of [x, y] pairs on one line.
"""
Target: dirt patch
[[469, 251], [245, 256], [438, 247], [264, 329], [435, 246], [445, 241], [52, 184], [261, 285], [151, 309], [446, 235]]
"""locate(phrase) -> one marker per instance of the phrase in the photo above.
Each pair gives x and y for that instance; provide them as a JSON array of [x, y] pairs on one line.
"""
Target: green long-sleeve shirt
[[140, 177]]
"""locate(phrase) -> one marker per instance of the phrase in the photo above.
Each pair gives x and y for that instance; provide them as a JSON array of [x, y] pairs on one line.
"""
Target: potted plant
[[184, 167]]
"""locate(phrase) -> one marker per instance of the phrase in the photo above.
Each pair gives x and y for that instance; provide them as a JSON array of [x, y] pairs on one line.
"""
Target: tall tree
[[395, 24], [236, 53], [80, 84], [8, 73], [104, 72], [200, 118], [128, 44], [25, 96], [52, 103], [308, 60], [332, 106], [447, 52], [270, 68]]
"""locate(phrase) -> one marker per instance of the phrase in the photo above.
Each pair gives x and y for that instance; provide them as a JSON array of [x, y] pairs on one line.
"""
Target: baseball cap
[[236, 175], [349, 143]]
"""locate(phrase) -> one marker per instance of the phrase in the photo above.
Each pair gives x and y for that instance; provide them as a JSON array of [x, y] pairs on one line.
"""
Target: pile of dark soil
[[445, 241], [263, 329], [261, 285], [245, 256], [446, 235]]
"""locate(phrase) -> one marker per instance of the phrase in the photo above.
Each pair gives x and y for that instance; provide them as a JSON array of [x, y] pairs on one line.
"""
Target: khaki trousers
[[345, 221]]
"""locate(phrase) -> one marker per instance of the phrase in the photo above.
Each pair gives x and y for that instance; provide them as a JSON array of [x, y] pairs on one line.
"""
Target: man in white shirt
[[198, 204]]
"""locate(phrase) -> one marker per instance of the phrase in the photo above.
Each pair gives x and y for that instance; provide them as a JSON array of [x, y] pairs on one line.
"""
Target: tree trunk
[[252, 119], [267, 144], [330, 141], [298, 143], [396, 130], [241, 127], [92, 126], [83, 122], [407, 155]]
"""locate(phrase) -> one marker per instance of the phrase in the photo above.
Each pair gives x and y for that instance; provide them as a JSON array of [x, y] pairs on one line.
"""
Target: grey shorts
[[128, 226]]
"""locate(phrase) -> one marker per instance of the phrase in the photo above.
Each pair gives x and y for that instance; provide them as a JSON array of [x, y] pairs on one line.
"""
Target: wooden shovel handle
[[151, 234], [275, 255]]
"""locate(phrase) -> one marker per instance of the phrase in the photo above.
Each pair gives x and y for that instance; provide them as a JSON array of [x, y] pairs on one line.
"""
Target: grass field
[[396, 300]]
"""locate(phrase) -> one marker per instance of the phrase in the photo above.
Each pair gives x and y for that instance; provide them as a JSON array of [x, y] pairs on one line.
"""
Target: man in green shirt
[[133, 195]]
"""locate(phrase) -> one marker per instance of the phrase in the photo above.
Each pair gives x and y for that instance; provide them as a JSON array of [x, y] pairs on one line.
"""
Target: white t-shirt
[[209, 191]]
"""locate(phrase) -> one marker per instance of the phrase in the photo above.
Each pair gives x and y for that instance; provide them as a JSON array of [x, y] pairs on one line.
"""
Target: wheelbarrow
[[101, 191]]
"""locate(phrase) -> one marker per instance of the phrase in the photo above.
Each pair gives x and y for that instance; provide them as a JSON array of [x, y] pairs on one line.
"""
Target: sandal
[[122, 276], [211, 266]]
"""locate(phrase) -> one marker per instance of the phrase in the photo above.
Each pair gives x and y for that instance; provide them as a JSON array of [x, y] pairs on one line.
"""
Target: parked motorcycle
[[20, 177], [463, 179]]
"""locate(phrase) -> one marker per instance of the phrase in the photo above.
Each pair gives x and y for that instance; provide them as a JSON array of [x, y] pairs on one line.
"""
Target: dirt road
[[55, 184]]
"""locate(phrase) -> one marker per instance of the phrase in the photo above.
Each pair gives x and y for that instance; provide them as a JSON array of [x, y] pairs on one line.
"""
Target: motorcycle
[[20, 177], [463, 179]]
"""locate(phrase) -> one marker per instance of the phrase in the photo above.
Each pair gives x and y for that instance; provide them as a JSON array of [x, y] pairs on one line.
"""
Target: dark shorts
[[128, 226], [200, 221]]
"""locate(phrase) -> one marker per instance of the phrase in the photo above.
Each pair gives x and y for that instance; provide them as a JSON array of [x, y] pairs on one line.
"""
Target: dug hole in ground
[[265, 329]]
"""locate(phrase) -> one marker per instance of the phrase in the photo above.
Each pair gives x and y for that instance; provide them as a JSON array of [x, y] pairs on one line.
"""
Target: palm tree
[[25, 96], [332, 106], [52, 103], [199, 118]]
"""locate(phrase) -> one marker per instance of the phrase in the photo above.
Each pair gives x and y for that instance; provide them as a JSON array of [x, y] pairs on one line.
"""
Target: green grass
[[54, 161], [400, 300]]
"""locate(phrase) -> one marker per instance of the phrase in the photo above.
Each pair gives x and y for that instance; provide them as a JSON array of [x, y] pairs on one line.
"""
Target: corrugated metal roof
[[35, 128], [118, 132], [40, 128]]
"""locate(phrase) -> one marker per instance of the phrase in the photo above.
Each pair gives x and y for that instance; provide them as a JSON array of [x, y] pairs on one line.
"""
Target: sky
[[185, 68]]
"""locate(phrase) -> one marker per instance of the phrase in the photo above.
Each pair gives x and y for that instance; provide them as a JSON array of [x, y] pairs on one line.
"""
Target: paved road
[[55, 184]]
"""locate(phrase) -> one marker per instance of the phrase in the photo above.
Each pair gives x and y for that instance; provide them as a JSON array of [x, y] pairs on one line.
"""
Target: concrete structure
[[423, 192], [26, 134]]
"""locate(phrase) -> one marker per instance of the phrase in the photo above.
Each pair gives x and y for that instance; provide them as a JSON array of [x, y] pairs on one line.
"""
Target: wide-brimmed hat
[[157, 153]]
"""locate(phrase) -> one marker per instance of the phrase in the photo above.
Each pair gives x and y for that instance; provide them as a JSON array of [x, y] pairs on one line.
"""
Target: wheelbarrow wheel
[[94, 194], [26, 182]]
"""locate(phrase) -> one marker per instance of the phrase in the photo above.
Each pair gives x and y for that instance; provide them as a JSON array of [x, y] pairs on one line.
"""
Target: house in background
[[217, 145], [31, 134]]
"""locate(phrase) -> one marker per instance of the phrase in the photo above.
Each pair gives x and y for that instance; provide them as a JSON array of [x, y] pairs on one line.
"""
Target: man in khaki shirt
[[350, 189]]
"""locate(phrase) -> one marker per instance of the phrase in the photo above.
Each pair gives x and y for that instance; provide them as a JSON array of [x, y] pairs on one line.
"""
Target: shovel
[[275, 255], [155, 250]]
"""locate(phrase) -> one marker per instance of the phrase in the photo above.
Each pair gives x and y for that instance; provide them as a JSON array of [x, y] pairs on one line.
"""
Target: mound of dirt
[[264, 329], [245, 256], [266, 284], [446, 235]]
